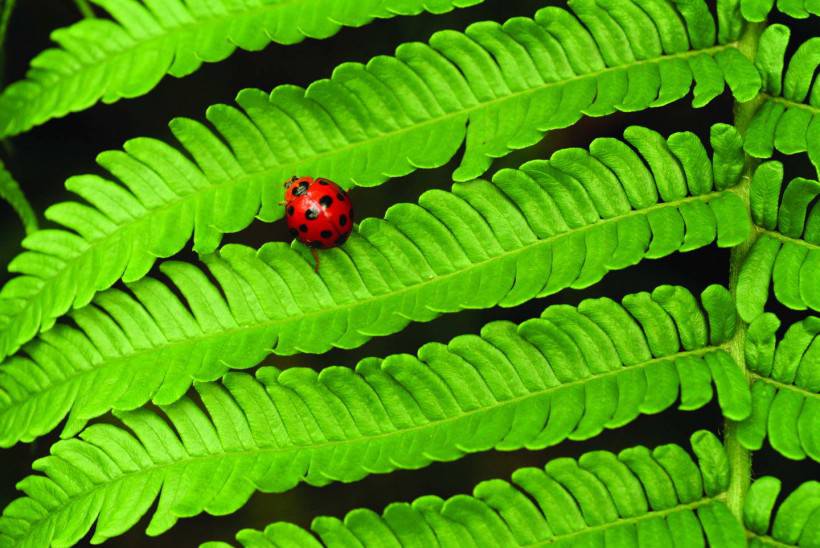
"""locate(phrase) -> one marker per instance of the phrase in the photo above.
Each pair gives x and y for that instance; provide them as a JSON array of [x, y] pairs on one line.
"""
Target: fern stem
[[8, 7], [85, 8], [5, 17], [740, 458]]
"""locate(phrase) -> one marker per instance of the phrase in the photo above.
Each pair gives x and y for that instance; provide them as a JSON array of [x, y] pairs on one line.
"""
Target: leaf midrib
[[703, 501], [198, 340], [768, 540], [786, 239], [167, 33], [806, 393], [313, 447], [791, 103], [243, 179]]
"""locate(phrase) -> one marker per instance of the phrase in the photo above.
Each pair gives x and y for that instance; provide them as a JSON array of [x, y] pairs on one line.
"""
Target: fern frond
[[11, 193], [494, 88], [568, 374], [532, 232], [758, 10], [785, 388], [527, 513], [795, 523], [102, 59], [789, 119], [786, 253], [658, 497]]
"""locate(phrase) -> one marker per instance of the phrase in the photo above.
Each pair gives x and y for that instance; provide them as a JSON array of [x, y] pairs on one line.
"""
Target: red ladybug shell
[[318, 212]]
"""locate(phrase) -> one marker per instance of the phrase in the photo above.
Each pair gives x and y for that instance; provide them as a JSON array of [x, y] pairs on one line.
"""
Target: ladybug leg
[[315, 254]]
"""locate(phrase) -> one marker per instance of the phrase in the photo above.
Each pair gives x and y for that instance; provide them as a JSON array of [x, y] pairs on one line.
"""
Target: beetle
[[318, 213]]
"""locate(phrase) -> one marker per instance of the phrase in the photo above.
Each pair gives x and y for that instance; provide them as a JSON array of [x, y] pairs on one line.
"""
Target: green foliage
[[11, 192], [568, 374], [638, 497], [101, 59], [758, 10], [138, 348], [494, 88], [786, 253], [785, 388], [532, 232], [795, 523], [789, 119], [633, 498]]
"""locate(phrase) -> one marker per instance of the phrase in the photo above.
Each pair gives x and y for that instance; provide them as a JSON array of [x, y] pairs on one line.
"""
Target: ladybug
[[318, 212]]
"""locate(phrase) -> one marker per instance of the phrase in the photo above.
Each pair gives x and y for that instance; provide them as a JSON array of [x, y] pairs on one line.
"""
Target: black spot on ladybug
[[311, 213], [325, 234], [340, 197], [342, 239], [301, 189], [290, 210], [326, 201], [343, 220], [303, 228], [293, 232], [322, 181]]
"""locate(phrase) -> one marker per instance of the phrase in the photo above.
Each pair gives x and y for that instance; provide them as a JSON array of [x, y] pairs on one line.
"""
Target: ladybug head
[[296, 186]]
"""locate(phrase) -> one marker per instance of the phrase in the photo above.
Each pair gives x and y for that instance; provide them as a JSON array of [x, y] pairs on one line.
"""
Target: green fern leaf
[[435, 522], [789, 119], [785, 388], [786, 253], [532, 232], [643, 497], [799, 9], [568, 374], [126, 56], [795, 523], [494, 88], [11, 192], [758, 10]]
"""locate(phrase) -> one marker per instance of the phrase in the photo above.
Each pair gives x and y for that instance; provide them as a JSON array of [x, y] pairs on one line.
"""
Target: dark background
[[43, 158]]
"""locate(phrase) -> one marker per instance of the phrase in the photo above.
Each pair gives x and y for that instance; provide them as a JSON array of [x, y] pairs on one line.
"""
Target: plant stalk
[[740, 459], [85, 8], [6, 8]]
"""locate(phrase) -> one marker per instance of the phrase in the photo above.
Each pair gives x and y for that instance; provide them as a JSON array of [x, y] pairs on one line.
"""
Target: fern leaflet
[[786, 253], [658, 497], [785, 387], [101, 59], [568, 374], [795, 522], [11, 192], [551, 225], [789, 119], [597, 500], [758, 10], [494, 88]]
